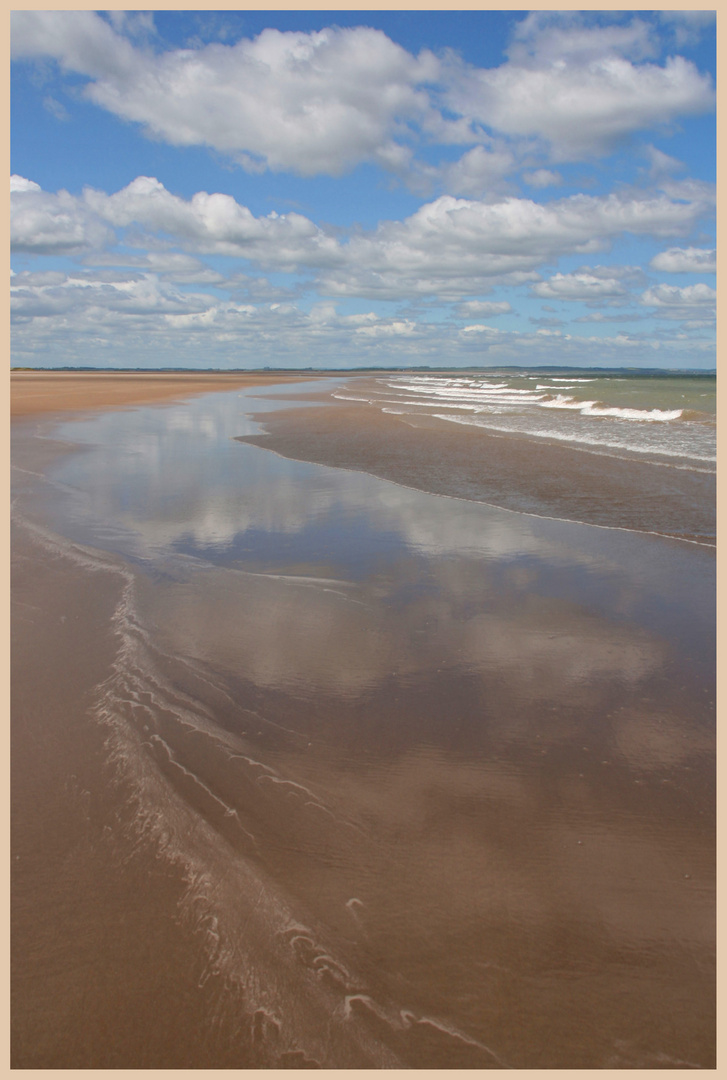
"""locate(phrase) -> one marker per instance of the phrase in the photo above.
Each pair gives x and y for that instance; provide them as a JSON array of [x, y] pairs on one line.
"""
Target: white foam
[[225, 808], [349, 397], [288, 783], [562, 401], [409, 1018], [593, 408], [649, 415], [594, 444], [369, 1003]]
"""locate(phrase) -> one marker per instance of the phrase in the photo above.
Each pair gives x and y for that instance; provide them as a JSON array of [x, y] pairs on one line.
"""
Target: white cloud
[[325, 101], [169, 265], [19, 184], [126, 318], [455, 247], [216, 224], [207, 224], [98, 296], [686, 261], [661, 296], [580, 88], [550, 36], [480, 171], [667, 295], [542, 178], [449, 248], [480, 328], [395, 327], [45, 224], [310, 103], [691, 302], [488, 309], [579, 286]]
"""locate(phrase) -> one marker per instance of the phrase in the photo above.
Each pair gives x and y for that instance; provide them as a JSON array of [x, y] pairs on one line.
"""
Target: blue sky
[[242, 189]]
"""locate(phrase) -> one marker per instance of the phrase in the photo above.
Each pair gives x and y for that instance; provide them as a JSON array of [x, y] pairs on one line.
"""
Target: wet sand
[[506, 470], [324, 772]]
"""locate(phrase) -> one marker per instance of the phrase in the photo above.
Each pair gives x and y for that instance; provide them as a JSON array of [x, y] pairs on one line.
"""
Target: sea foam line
[[579, 438]]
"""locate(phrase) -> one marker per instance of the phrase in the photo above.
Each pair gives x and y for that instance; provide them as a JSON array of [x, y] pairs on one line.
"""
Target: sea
[[664, 418]]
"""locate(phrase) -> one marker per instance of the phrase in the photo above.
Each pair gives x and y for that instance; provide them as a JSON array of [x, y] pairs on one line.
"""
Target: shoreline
[[484, 503], [505, 471], [511, 472]]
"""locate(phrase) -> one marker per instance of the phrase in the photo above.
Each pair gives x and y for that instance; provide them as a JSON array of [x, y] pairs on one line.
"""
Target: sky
[[249, 189]]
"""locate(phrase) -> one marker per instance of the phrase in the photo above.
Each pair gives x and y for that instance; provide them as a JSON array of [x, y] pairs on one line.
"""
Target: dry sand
[[41, 392]]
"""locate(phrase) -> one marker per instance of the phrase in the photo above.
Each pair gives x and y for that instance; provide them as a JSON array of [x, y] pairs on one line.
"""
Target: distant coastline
[[636, 372]]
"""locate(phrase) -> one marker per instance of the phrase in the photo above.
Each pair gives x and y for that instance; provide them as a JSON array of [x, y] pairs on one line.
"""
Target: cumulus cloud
[[394, 327], [137, 319], [99, 295], [581, 88], [488, 309], [661, 295], [45, 224], [579, 286], [307, 102], [206, 224], [480, 171], [694, 306], [216, 224], [481, 328], [451, 248], [325, 101], [128, 319], [169, 265], [456, 247], [20, 184], [690, 302], [686, 261]]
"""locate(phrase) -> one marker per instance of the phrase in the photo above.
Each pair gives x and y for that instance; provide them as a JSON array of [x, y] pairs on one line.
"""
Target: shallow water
[[663, 420], [437, 777]]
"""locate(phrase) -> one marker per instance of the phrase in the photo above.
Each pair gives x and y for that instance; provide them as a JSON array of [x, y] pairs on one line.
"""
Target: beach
[[42, 392], [354, 738], [541, 477]]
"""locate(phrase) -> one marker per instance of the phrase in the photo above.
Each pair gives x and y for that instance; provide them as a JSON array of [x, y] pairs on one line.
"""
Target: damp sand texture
[[326, 769]]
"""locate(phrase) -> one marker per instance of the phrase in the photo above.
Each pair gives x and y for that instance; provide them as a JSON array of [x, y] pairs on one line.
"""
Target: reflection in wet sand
[[437, 778]]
